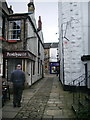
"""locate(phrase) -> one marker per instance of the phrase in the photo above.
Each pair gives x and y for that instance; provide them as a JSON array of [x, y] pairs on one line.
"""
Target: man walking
[[18, 79]]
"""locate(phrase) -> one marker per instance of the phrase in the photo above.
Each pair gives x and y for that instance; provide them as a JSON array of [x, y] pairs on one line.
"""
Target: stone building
[[73, 40], [4, 10], [23, 44], [49, 49]]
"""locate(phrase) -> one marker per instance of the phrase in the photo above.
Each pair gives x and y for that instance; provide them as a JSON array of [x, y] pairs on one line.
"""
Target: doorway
[[10, 66]]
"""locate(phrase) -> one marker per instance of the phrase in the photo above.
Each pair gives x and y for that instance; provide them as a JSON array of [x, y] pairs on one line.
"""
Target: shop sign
[[16, 54], [19, 54]]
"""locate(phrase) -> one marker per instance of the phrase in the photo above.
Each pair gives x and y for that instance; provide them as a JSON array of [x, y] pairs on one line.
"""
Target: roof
[[50, 45], [5, 7]]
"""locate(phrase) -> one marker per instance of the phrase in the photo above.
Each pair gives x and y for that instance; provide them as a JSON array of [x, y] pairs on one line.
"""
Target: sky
[[48, 10]]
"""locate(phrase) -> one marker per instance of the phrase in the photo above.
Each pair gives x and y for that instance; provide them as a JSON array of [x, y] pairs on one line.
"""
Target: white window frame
[[15, 36]]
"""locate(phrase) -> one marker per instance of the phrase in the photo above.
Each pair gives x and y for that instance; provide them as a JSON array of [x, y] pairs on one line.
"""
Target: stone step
[[84, 103], [87, 98], [75, 108], [81, 110]]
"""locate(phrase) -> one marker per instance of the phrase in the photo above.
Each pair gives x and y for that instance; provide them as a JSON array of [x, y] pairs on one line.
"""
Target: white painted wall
[[88, 29], [41, 52], [31, 39], [53, 54], [32, 46], [77, 33]]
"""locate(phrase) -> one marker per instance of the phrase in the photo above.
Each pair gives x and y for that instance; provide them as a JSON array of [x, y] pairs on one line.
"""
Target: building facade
[[73, 40], [50, 58], [22, 41], [46, 61]]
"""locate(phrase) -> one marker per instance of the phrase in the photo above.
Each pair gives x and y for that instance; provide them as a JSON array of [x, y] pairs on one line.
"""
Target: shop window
[[14, 30]]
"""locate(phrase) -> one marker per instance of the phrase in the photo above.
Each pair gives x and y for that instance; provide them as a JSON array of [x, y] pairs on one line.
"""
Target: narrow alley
[[50, 43], [44, 99]]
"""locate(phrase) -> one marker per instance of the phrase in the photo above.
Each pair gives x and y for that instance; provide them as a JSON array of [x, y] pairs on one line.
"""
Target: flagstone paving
[[45, 99]]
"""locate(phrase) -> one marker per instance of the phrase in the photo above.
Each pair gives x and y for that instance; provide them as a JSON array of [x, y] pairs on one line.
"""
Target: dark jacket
[[18, 77]]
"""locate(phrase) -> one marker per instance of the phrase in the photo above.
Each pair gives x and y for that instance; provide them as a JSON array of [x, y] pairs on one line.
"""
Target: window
[[38, 47], [14, 30], [38, 65], [33, 68]]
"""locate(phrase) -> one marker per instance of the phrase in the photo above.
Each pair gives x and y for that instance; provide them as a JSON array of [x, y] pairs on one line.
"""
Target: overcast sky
[[48, 10]]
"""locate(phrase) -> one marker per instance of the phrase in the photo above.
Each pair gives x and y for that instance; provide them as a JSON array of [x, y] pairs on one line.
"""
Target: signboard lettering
[[15, 54], [19, 54]]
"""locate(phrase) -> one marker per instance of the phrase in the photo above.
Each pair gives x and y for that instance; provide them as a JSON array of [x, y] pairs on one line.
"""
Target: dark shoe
[[19, 105], [14, 106]]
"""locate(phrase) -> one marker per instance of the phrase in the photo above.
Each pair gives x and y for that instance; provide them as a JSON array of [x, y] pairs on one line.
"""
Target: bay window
[[14, 30]]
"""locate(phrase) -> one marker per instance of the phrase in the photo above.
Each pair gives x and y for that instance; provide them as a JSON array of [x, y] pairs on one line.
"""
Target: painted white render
[[32, 46], [31, 39], [73, 39], [53, 54]]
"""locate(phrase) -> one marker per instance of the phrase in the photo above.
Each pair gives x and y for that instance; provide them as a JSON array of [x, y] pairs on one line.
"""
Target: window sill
[[12, 41]]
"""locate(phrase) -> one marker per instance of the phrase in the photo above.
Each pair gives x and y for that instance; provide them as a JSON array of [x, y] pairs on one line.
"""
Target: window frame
[[33, 68], [13, 32]]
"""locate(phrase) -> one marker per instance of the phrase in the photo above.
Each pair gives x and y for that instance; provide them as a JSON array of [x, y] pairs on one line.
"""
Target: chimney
[[10, 10], [11, 6], [31, 7], [39, 23]]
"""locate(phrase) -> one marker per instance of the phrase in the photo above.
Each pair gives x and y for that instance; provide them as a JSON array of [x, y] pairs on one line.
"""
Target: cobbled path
[[43, 100], [36, 105]]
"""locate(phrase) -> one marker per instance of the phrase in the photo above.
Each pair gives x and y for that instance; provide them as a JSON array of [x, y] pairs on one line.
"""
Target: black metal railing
[[81, 96], [77, 80]]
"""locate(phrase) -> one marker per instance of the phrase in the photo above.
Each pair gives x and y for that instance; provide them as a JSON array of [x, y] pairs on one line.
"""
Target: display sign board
[[54, 67]]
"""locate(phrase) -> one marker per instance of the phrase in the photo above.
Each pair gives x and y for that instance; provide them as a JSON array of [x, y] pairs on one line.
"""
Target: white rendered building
[[73, 39]]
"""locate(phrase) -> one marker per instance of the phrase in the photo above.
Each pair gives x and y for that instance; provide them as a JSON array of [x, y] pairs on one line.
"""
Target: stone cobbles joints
[[43, 101], [35, 107]]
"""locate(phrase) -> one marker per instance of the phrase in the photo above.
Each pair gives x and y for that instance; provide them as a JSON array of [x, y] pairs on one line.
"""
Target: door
[[29, 76]]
